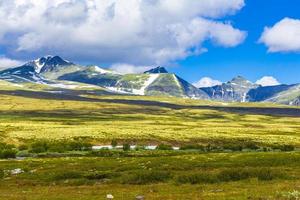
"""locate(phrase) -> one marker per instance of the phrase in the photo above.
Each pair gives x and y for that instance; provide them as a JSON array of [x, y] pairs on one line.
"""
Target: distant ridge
[[157, 70], [235, 90], [51, 70]]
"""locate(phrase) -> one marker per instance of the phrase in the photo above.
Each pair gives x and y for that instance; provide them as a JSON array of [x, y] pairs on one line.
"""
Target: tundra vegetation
[[226, 151]]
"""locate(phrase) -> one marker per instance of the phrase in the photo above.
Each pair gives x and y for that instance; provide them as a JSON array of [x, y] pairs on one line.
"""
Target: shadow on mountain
[[292, 112]]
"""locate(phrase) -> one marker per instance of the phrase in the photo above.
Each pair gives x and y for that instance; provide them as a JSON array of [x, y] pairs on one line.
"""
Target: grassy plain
[[30, 115], [144, 120], [271, 175]]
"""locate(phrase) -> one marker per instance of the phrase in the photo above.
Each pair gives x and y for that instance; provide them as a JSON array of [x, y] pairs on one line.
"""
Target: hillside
[[38, 114], [54, 71], [235, 90], [50, 69]]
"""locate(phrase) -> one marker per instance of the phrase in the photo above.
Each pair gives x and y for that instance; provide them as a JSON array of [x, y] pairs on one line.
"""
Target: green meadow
[[227, 150], [164, 175], [142, 120]]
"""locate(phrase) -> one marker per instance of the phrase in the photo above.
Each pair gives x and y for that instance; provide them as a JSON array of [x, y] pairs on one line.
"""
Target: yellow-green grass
[[195, 102], [31, 118], [275, 190], [70, 178]]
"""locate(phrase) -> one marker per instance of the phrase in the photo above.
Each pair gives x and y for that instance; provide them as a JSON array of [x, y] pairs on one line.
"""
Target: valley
[[70, 132], [149, 100], [55, 72], [27, 115]]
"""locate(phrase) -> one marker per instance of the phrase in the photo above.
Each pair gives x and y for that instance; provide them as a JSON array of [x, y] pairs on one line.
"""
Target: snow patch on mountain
[[118, 90], [64, 86], [141, 91], [176, 81], [100, 70], [38, 66], [151, 79]]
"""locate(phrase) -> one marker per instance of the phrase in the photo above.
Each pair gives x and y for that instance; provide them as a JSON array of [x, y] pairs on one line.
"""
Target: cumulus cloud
[[124, 68], [207, 82], [268, 81], [7, 62], [139, 32], [283, 36]]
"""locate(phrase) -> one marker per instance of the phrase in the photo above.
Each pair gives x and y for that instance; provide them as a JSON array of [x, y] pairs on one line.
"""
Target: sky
[[250, 59], [205, 42]]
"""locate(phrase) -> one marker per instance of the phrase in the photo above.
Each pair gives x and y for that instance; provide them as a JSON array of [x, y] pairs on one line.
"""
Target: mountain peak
[[47, 63], [239, 80], [157, 70]]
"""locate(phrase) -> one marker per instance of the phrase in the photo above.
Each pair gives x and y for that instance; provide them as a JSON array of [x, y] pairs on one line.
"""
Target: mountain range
[[53, 71]]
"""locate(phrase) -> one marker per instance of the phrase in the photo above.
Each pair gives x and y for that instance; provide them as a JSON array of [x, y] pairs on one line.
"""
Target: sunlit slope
[[28, 115], [289, 97]]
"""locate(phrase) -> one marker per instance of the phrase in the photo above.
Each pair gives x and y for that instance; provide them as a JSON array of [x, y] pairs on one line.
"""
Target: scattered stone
[[16, 171], [139, 197]]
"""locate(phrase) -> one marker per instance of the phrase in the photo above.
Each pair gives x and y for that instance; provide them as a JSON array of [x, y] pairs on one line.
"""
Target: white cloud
[[207, 82], [283, 36], [267, 81], [139, 32], [123, 68], [7, 62]]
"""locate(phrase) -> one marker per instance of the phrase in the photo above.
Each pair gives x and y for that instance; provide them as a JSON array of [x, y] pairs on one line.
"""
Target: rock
[[139, 197], [109, 196], [16, 171]]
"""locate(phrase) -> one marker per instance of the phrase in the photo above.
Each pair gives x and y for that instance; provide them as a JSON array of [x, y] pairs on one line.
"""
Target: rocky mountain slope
[[53, 71], [290, 96], [50, 69], [153, 82], [235, 90], [241, 90]]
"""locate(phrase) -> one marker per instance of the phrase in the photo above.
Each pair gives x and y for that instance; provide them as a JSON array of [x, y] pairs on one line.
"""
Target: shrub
[[6, 146], [251, 145], [126, 147], [24, 153], [114, 143], [98, 175], [233, 175], [23, 147], [140, 147], [197, 178], [39, 146], [107, 153], [8, 153], [192, 147], [146, 177], [1, 174], [58, 147], [265, 174], [164, 147], [287, 148], [63, 175], [102, 153], [233, 147], [283, 147], [208, 148], [61, 146], [228, 175], [265, 149], [79, 145]]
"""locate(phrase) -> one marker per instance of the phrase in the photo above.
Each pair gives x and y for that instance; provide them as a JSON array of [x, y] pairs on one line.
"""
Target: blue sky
[[194, 39], [249, 59]]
